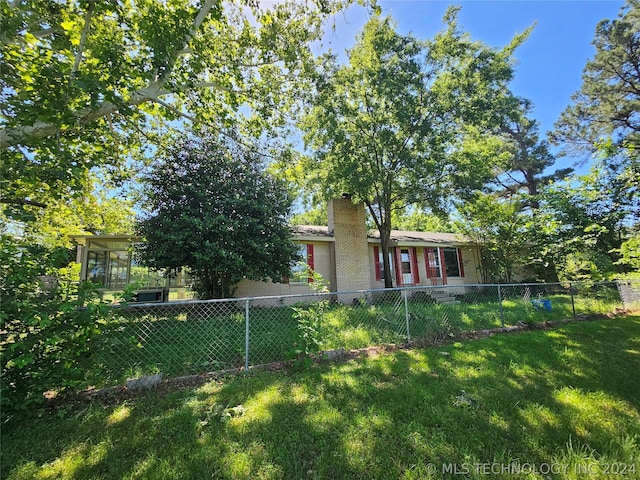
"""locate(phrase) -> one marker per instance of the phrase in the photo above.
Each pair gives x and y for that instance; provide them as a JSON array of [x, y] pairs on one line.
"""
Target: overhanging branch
[[23, 134], [23, 202], [19, 135]]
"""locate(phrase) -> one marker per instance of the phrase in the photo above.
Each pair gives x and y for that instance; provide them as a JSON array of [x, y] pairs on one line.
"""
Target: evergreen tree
[[214, 210]]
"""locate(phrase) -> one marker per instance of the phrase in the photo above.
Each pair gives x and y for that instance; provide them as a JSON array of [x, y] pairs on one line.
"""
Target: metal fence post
[[406, 314], [246, 336], [573, 303], [500, 301]]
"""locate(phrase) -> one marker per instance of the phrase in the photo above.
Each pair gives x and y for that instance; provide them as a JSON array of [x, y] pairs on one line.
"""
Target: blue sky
[[550, 62]]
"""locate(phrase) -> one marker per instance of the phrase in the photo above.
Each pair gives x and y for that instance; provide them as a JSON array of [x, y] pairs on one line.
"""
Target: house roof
[[82, 239], [402, 236], [318, 232], [311, 232]]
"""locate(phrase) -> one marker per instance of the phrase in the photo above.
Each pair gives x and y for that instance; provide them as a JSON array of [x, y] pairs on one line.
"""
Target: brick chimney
[[351, 250]]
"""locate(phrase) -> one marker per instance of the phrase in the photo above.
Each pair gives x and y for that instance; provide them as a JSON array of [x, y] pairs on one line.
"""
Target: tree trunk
[[384, 228], [385, 248], [551, 272], [532, 187], [383, 223]]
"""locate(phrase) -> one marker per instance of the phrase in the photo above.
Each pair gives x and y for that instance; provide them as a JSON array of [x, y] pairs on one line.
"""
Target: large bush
[[215, 210], [47, 323]]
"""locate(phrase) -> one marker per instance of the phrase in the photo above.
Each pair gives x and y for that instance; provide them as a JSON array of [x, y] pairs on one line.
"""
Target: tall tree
[[383, 125], [314, 216], [213, 209], [87, 83], [630, 253], [606, 109], [522, 166], [581, 225], [96, 211], [417, 220], [496, 227], [528, 156], [604, 119]]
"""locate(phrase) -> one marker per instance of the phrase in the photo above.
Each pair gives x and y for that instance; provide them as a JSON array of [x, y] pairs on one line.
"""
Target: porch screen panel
[[97, 267], [117, 269], [108, 268]]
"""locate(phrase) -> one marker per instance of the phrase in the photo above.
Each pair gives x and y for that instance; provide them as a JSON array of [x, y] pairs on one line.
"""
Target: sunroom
[[109, 262]]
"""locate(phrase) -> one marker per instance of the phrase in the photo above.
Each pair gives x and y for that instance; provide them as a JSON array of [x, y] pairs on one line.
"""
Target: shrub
[[311, 319], [47, 323]]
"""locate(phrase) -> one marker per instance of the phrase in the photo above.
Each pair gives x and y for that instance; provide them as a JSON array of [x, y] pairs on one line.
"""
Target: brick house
[[345, 253], [349, 257]]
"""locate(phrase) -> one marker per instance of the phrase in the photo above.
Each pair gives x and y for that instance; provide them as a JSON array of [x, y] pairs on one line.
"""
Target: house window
[[108, 267], [407, 267], [453, 262], [299, 270], [378, 258], [433, 263]]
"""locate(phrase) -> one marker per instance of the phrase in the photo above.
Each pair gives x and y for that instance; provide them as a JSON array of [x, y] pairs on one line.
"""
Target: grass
[[566, 399], [182, 340]]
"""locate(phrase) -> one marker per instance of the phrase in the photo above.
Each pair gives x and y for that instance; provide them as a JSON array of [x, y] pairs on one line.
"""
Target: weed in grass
[[175, 343], [576, 459], [620, 459], [391, 416]]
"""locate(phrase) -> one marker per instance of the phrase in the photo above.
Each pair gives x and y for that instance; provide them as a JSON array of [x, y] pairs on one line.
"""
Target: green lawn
[[566, 400], [191, 339]]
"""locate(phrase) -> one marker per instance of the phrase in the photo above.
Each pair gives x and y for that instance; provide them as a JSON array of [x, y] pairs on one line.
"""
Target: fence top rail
[[363, 293]]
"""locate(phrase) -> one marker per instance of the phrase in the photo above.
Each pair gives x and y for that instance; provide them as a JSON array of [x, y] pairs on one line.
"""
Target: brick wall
[[322, 264], [347, 223]]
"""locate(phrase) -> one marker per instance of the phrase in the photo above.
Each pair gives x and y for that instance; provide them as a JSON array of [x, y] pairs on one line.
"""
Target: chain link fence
[[193, 337]]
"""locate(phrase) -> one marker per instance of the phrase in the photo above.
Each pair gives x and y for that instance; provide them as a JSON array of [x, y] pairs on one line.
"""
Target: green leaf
[[68, 25]]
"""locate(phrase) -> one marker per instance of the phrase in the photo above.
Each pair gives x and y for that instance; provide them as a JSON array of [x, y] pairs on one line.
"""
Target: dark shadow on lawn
[[495, 399]]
